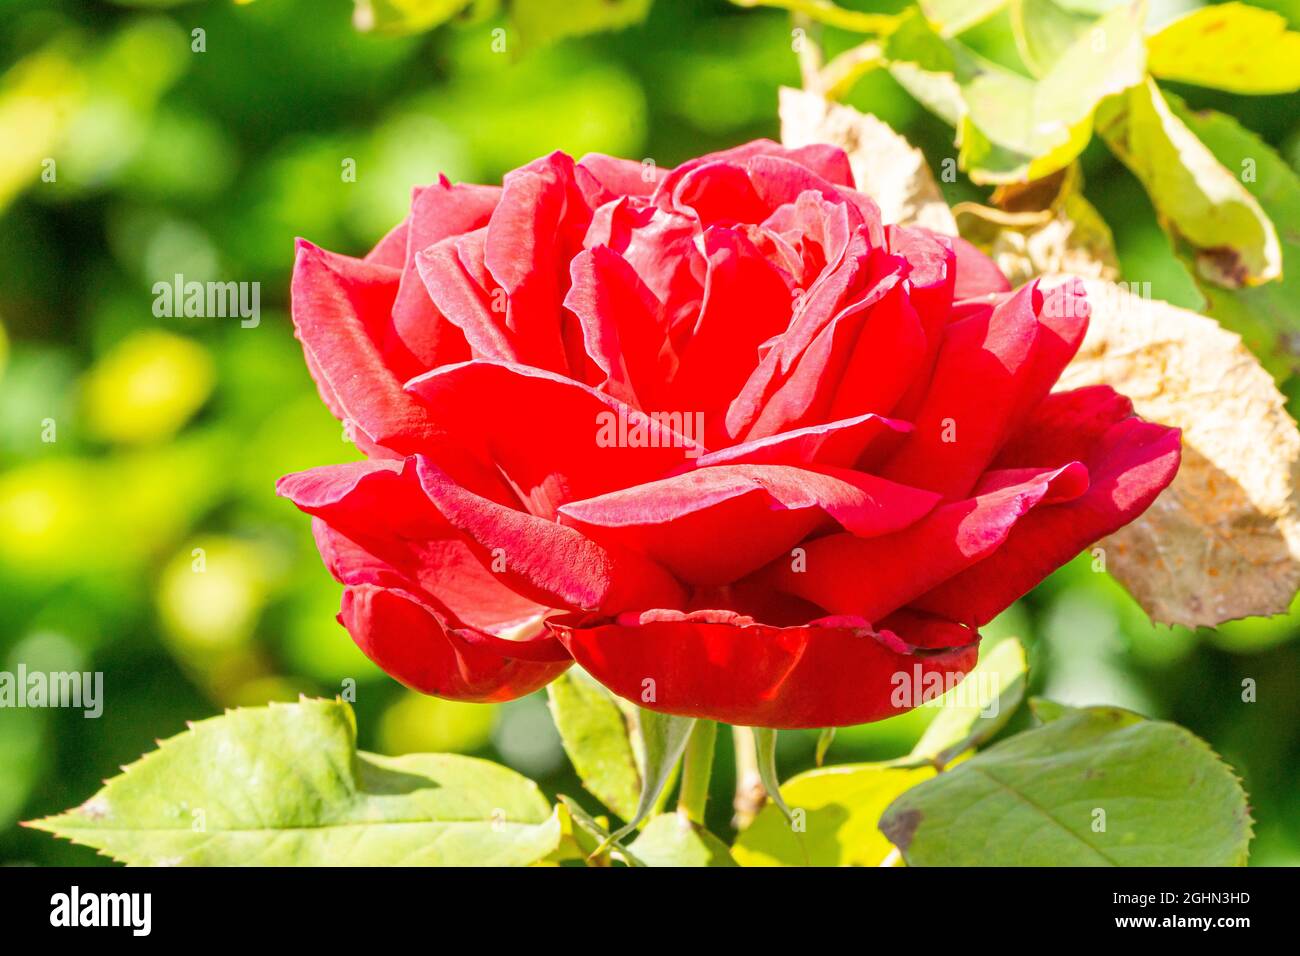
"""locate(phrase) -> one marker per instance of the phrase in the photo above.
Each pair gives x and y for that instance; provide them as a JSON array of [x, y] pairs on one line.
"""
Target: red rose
[[715, 433]]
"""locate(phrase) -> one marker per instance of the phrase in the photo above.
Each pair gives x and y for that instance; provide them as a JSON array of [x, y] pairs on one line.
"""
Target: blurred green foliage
[[139, 532]]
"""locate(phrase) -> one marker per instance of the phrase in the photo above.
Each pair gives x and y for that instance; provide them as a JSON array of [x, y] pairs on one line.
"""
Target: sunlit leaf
[[1011, 128], [1017, 129], [285, 785], [829, 13], [1096, 787], [1197, 199], [1045, 31], [1229, 46]]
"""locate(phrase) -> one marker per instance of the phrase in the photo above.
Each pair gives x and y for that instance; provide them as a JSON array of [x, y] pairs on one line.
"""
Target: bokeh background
[[170, 432]]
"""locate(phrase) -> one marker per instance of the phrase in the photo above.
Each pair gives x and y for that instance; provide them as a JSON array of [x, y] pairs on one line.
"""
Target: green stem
[[697, 765]]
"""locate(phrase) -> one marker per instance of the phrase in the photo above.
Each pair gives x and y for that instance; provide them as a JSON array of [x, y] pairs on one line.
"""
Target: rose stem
[[750, 794], [697, 765]]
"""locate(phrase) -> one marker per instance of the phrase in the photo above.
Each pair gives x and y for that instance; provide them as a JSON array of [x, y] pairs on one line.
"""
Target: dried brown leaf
[[1222, 541]]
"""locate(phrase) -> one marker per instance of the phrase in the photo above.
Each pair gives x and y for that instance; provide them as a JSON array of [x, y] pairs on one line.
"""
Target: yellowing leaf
[[1221, 542], [1197, 199], [1229, 46], [885, 166], [836, 810], [1266, 316]]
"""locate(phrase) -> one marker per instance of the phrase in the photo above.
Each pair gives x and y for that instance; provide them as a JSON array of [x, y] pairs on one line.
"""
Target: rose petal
[[437, 212], [534, 231], [1130, 463], [992, 369], [547, 562], [555, 439], [375, 525], [722, 667], [620, 324], [841, 443], [871, 577], [977, 274], [341, 311], [603, 178], [746, 302], [714, 525], [404, 637]]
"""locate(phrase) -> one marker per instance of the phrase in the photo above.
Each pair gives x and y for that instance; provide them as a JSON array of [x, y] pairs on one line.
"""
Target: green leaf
[[671, 839], [837, 809], [1097, 787], [1229, 46], [663, 739], [765, 741], [1016, 129], [1266, 316], [1197, 199], [951, 17], [1011, 128], [284, 785], [597, 738], [545, 21], [1045, 30], [979, 706], [399, 17]]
